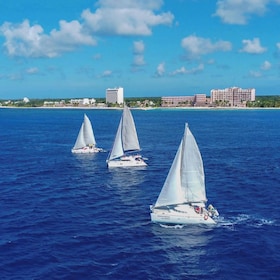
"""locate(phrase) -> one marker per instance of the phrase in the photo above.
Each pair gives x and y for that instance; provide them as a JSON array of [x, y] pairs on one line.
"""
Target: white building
[[83, 102], [114, 95], [87, 101]]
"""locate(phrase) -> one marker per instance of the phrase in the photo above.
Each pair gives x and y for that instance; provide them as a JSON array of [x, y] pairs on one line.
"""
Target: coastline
[[144, 109]]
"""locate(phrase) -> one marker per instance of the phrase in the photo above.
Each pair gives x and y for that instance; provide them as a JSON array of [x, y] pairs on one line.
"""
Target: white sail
[[117, 150], [129, 135], [185, 180], [126, 139], [80, 141], [193, 180], [85, 136], [172, 192], [88, 132]]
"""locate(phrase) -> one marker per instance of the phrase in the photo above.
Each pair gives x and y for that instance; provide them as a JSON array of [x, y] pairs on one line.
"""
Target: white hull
[[86, 150], [127, 161], [181, 215]]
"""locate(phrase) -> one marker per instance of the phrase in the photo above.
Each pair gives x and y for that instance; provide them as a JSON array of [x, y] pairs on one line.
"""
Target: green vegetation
[[265, 102], [130, 101], [261, 102], [143, 101], [31, 103]]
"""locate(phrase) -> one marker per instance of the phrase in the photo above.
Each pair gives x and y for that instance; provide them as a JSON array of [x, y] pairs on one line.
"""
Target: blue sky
[[67, 49]]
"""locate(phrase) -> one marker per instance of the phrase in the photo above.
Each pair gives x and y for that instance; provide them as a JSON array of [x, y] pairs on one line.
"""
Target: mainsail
[[129, 135], [88, 132], [185, 180], [126, 139]]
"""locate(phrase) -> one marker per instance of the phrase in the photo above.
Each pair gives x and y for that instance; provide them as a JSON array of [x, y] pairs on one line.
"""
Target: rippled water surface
[[66, 216]]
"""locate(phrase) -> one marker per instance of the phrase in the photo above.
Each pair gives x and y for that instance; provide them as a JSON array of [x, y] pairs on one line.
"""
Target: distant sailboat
[[183, 196], [85, 142], [125, 151]]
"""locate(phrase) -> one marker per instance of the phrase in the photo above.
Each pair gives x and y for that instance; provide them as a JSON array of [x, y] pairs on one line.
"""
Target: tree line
[[272, 101]]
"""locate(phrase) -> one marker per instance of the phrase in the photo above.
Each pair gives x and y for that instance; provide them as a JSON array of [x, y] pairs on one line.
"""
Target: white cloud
[[197, 46], [160, 70], [139, 47], [107, 73], [277, 52], [138, 50], [30, 41], [266, 65], [252, 46], [183, 70], [22, 39], [71, 34], [239, 11], [126, 17], [122, 17], [32, 70], [179, 71], [138, 60]]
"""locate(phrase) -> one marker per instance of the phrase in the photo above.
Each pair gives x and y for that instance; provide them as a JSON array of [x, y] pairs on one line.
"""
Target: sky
[[76, 49]]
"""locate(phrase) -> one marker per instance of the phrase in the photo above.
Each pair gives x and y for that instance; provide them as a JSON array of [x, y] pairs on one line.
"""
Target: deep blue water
[[66, 216]]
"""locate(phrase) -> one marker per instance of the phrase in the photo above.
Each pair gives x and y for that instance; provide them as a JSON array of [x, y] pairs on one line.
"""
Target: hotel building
[[184, 101], [114, 95], [232, 97]]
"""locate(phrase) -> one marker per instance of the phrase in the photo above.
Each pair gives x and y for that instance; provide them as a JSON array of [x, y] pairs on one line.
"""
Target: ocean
[[66, 216]]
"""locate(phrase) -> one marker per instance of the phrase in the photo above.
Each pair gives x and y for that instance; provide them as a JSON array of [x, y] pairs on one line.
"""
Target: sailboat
[[85, 142], [182, 199], [125, 151]]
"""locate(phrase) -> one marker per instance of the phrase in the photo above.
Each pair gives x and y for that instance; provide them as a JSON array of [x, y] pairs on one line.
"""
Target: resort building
[[82, 102], [114, 95], [26, 100], [176, 101], [184, 101], [232, 97], [200, 100]]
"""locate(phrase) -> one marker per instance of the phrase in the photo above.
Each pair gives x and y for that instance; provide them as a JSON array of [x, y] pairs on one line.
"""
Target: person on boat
[[138, 157], [198, 210], [214, 212]]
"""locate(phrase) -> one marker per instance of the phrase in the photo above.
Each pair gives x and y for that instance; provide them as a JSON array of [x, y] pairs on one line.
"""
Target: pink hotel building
[[230, 97], [184, 101], [233, 97]]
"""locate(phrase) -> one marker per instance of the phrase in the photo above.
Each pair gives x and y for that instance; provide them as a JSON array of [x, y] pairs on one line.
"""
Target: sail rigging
[[126, 139], [185, 180]]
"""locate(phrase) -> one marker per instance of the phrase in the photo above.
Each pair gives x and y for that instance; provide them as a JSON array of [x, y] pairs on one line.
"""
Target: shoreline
[[144, 109]]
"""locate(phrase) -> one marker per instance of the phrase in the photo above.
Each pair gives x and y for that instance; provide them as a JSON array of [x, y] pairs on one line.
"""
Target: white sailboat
[[125, 151], [85, 142], [182, 199]]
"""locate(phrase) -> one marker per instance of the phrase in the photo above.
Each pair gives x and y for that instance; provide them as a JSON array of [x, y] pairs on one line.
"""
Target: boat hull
[[86, 150], [127, 161], [181, 215]]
